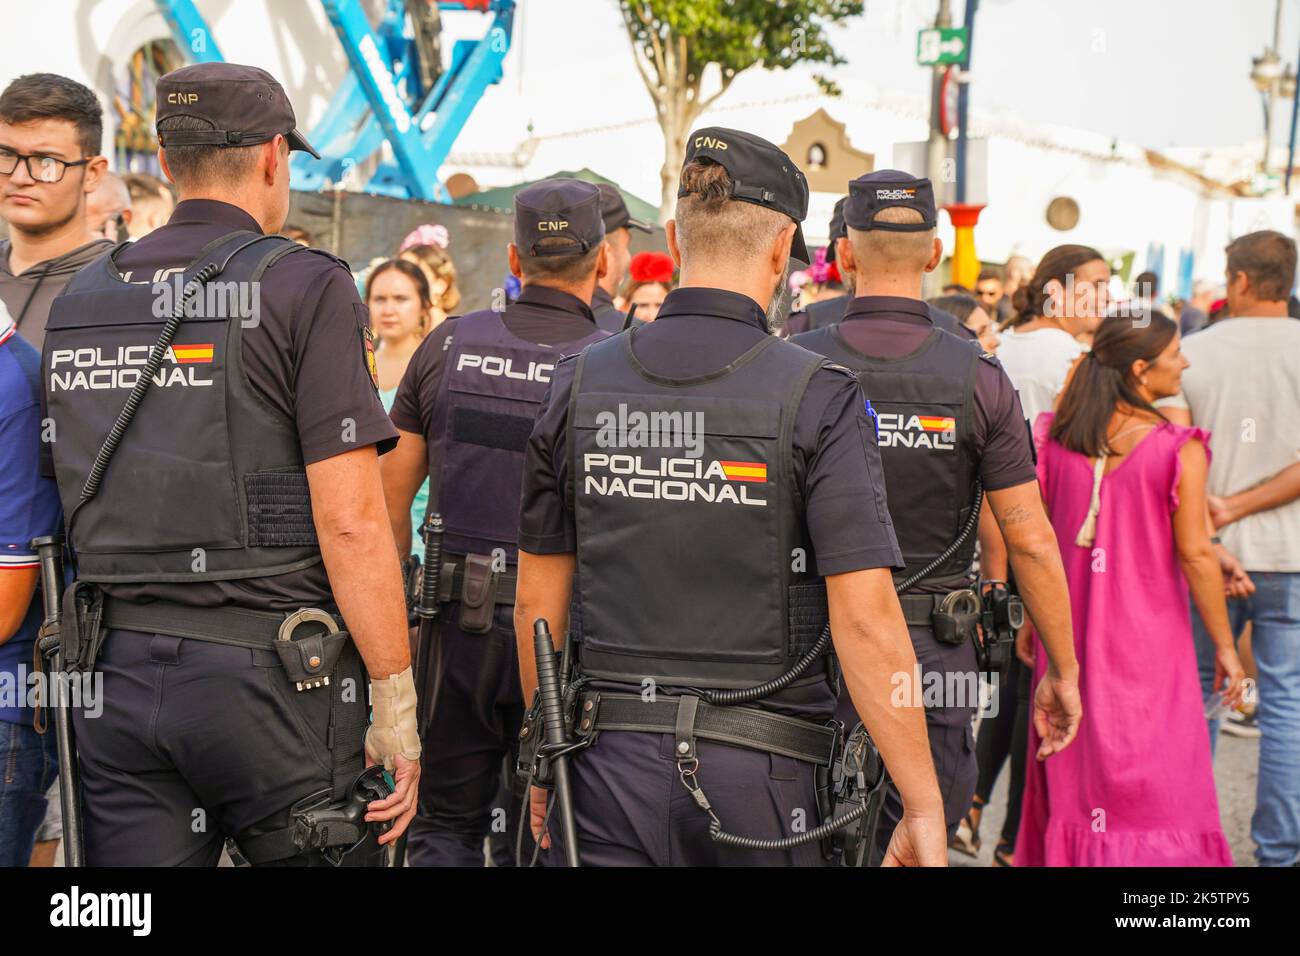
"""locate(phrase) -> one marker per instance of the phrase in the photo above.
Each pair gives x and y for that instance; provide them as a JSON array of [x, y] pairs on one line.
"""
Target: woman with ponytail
[[1125, 491], [1056, 314]]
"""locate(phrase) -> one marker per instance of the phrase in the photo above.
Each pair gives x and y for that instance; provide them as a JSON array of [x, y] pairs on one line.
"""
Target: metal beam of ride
[[190, 30], [384, 98]]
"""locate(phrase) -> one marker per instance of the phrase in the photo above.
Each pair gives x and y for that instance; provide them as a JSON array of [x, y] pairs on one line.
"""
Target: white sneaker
[[1237, 724]]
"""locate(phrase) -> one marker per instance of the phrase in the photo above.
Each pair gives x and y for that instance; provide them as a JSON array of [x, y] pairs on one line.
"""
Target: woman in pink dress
[[1125, 491]]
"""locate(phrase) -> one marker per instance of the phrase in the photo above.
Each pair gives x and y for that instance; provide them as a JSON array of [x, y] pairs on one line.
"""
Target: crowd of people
[[1166, 457]]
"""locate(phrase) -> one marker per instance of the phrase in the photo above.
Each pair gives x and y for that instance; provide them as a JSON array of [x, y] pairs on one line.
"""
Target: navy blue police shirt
[[306, 357], [836, 462]]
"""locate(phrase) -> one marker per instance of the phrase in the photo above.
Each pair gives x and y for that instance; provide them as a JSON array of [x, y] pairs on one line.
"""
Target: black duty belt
[[739, 726], [451, 583], [919, 609], [241, 627]]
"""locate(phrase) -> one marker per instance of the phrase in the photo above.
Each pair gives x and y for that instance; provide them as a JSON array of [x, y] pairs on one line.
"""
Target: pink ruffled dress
[[1136, 787]]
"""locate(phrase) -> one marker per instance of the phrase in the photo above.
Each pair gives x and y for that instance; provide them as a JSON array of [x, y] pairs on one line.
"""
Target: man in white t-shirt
[[1244, 386], [1038, 362]]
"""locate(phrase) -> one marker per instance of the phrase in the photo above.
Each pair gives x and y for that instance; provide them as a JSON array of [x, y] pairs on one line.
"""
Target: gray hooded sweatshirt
[[28, 296]]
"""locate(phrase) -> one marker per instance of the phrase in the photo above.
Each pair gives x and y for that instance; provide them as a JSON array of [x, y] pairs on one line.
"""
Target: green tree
[[675, 41]]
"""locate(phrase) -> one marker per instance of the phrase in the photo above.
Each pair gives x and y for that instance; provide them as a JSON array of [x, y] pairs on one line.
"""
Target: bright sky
[[1155, 72]]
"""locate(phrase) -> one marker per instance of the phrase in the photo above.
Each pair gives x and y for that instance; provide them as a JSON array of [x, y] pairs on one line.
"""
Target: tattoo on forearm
[[1016, 514]]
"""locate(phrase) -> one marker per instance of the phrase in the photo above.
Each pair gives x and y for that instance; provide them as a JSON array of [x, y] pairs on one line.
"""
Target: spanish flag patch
[[744, 470], [938, 424], [192, 354]]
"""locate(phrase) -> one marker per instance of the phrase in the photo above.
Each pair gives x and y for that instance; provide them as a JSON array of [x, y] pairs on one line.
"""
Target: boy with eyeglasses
[[51, 129]]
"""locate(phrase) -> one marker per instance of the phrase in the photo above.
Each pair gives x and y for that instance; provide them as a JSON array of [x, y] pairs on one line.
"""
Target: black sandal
[[1004, 854], [966, 840]]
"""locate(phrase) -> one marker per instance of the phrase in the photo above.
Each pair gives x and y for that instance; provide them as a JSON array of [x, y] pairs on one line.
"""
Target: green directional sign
[[941, 46]]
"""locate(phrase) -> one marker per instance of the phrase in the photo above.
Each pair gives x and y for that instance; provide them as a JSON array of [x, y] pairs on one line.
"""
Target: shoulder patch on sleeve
[[367, 342]]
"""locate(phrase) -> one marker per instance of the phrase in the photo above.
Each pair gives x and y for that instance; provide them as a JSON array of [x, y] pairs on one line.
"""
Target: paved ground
[[1236, 766]]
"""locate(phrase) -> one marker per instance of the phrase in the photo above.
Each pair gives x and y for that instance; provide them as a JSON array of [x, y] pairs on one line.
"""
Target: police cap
[[761, 174], [615, 212], [566, 209], [836, 230], [244, 104], [889, 187]]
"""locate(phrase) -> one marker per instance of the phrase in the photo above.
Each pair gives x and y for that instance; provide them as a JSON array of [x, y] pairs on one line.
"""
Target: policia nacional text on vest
[[170, 469]]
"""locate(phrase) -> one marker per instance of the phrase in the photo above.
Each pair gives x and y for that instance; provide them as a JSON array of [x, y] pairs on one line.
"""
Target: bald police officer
[[235, 549], [703, 556], [827, 312], [946, 415], [464, 411]]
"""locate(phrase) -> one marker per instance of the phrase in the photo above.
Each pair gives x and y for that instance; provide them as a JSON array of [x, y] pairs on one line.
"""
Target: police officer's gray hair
[[878, 250], [205, 165], [558, 269], [713, 227]]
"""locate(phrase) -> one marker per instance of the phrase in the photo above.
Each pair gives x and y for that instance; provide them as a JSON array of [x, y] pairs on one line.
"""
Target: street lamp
[[1268, 73], [1265, 70]]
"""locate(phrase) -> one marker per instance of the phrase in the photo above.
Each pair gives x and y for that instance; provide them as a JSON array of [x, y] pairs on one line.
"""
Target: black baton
[[427, 608], [50, 550], [548, 685]]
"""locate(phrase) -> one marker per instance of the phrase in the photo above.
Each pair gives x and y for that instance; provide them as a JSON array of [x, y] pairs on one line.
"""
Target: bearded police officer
[[827, 312], [817, 315], [464, 411], [705, 553], [235, 549], [946, 417], [618, 236]]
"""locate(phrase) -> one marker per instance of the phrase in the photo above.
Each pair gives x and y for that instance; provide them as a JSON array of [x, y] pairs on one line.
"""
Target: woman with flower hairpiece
[[426, 247], [650, 279]]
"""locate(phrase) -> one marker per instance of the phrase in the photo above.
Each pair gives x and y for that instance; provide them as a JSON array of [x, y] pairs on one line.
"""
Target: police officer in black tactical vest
[[464, 411], [217, 433], [707, 494], [946, 416]]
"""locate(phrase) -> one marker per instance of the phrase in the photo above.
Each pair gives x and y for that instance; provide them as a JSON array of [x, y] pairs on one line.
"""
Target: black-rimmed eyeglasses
[[43, 169]]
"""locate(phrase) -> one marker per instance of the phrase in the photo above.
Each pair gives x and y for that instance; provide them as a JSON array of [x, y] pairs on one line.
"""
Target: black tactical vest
[[923, 405], [691, 570], [491, 391], [208, 482]]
